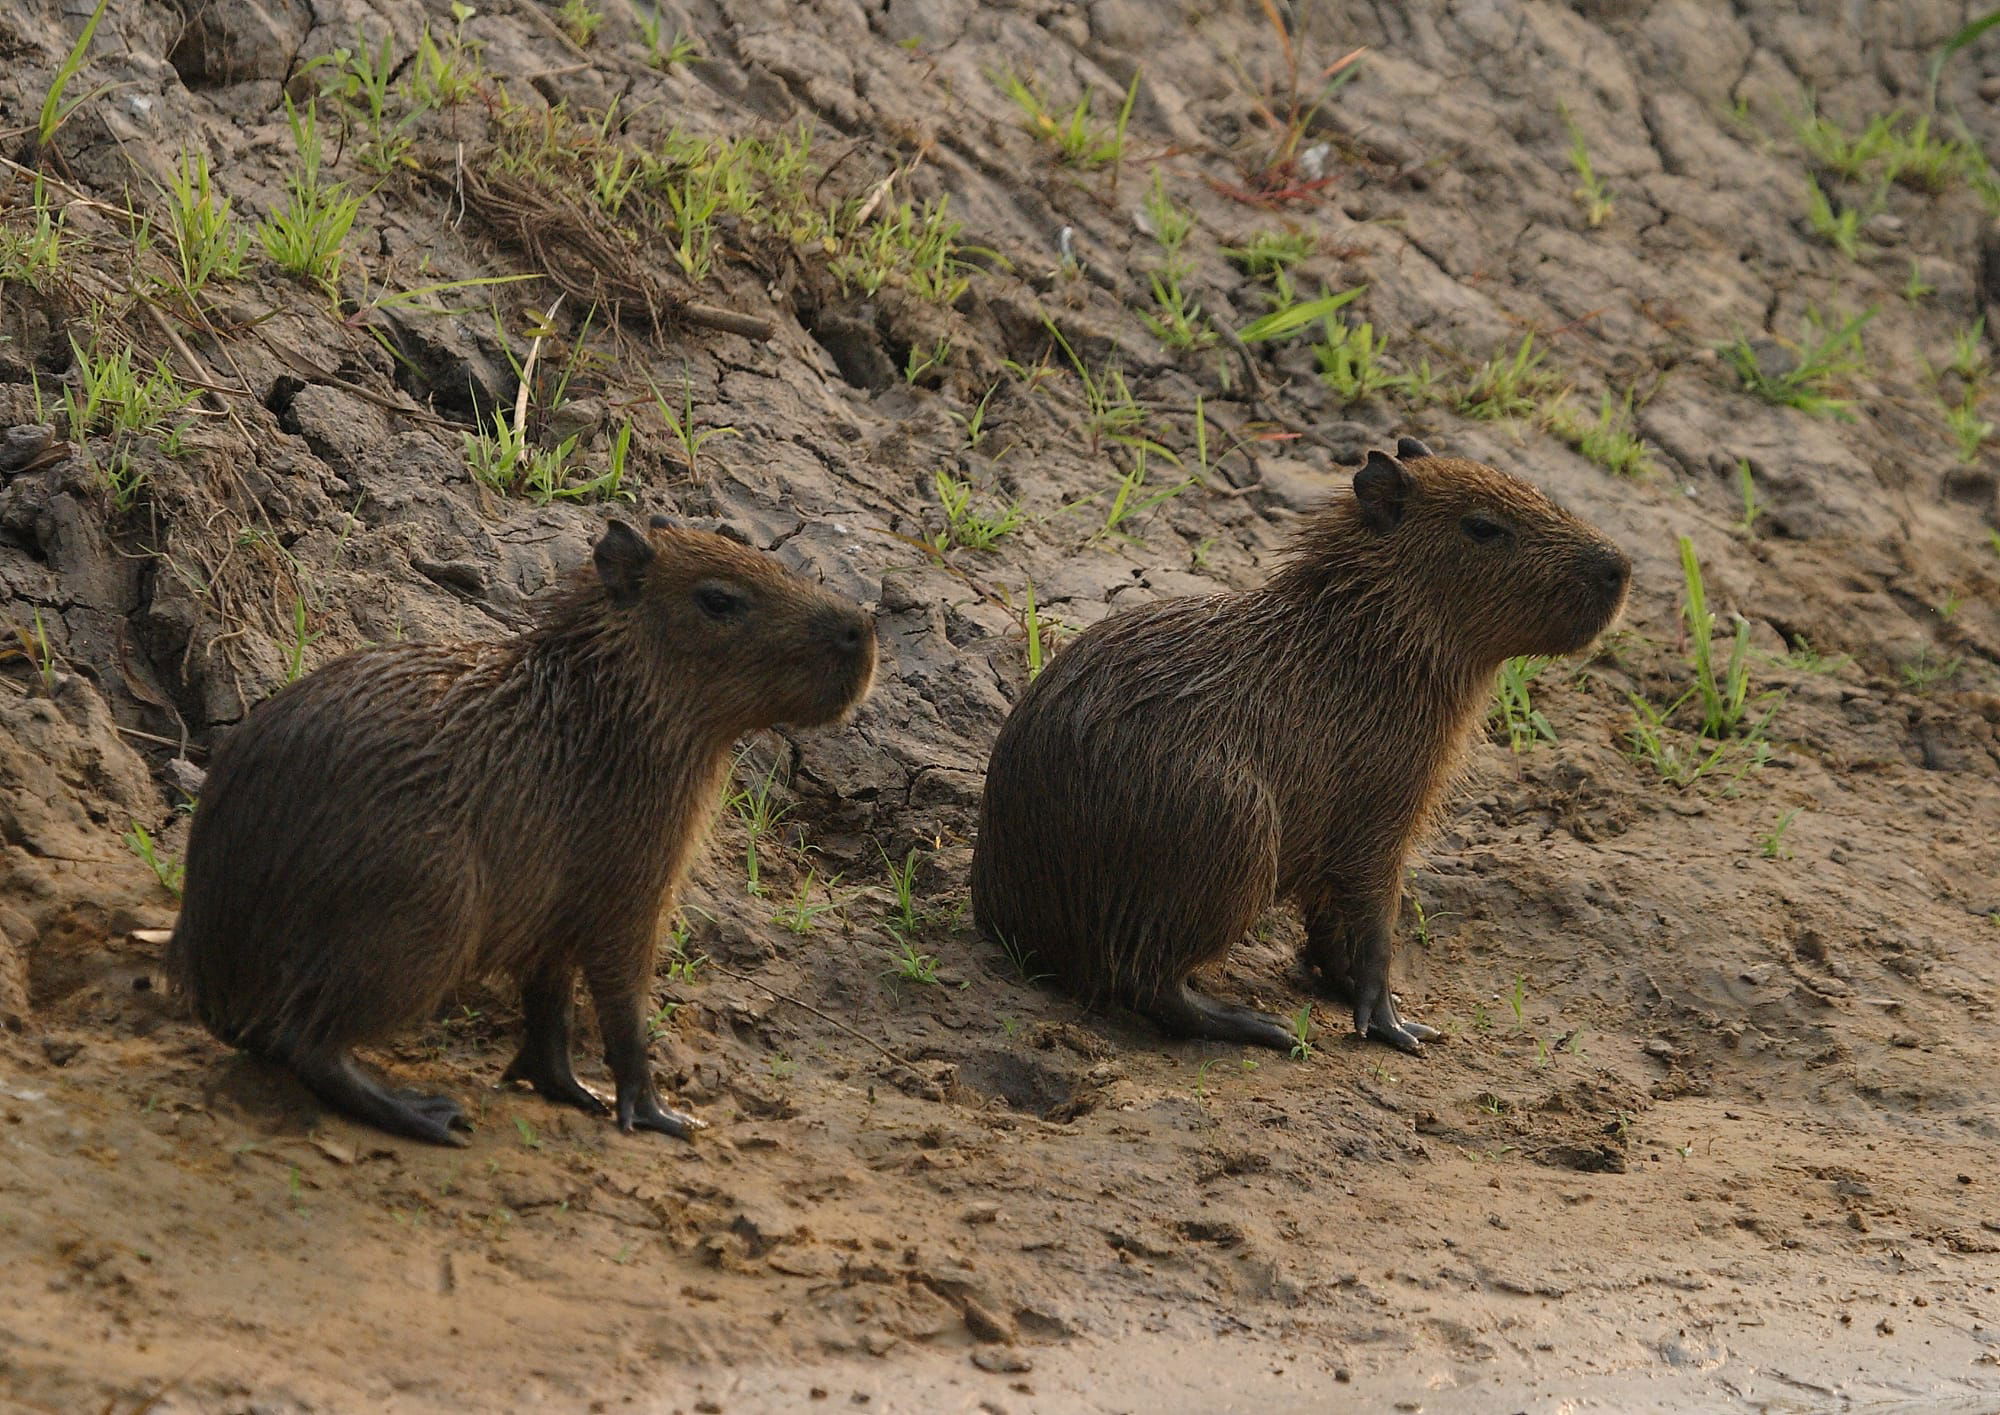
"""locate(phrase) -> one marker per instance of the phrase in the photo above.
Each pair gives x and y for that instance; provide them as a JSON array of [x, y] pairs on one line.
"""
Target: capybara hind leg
[[544, 1058], [336, 1080], [1181, 1010], [625, 1052]]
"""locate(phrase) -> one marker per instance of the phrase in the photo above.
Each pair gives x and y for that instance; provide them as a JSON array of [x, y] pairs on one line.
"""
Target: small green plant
[[1270, 253], [1771, 844], [1724, 697], [659, 1019], [208, 242], [1925, 673], [579, 21], [1968, 351], [36, 648], [302, 639], [1293, 316], [306, 236], [506, 461], [1517, 1001], [761, 813], [1655, 743], [1840, 229], [1830, 146], [662, 52], [1915, 287], [1021, 959], [1916, 159], [975, 421], [1302, 1027], [1591, 192], [1421, 918], [922, 361], [111, 396], [171, 874], [1176, 319], [802, 915], [34, 255], [1608, 440], [363, 75], [1110, 410], [526, 1131], [1803, 657], [1078, 141], [1350, 361], [444, 75], [1126, 502], [1031, 622], [965, 526], [1829, 353], [782, 1067], [1514, 710], [54, 111], [1970, 431], [682, 425], [1746, 491], [915, 248], [908, 919], [1509, 386], [912, 966]]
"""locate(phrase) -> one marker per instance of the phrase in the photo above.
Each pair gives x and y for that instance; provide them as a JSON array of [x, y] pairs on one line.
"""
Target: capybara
[[1180, 767], [412, 816]]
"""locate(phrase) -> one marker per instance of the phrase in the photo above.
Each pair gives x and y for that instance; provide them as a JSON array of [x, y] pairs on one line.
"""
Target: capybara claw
[[1379, 1021], [646, 1113]]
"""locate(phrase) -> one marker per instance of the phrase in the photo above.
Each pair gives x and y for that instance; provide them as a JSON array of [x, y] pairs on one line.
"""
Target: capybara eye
[[1482, 530], [718, 602]]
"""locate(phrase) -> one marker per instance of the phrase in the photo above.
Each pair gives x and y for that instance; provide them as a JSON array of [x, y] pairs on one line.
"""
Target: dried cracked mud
[[1714, 1122]]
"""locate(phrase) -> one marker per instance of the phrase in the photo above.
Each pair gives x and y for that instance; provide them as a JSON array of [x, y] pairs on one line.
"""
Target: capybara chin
[[412, 816], [1179, 768]]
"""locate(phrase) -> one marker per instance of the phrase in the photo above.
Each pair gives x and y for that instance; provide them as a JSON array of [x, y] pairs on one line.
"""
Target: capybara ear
[[1382, 486], [621, 558], [1408, 447], [661, 523]]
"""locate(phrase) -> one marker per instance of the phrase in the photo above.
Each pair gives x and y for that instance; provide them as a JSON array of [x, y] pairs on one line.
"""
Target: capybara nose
[[849, 632], [1612, 570]]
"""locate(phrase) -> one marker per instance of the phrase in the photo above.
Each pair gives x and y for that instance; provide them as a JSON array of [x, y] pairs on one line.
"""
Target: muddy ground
[[1713, 1125]]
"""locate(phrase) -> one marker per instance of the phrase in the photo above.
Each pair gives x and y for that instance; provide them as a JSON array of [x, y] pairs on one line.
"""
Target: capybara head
[[1482, 561], [765, 645]]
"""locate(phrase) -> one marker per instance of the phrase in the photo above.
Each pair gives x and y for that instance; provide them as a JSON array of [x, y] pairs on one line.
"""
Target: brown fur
[[412, 816], [1179, 768]]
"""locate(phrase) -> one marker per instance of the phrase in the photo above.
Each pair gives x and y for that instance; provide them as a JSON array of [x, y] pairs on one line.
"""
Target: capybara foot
[[640, 1109], [554, 1081], [435, 1107], [337, 1081], [1187, 1013], [1375, 1016]]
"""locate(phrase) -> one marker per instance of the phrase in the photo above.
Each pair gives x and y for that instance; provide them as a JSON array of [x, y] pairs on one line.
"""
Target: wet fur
[[412, 816], [1179, 768]]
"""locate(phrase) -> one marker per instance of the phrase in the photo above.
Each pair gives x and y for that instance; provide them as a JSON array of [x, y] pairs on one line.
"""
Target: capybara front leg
[[1375, 1012], [544, 1058], [625, 1052]]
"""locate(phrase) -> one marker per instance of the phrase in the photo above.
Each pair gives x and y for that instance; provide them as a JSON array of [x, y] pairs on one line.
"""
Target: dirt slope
[[1713, 1127]]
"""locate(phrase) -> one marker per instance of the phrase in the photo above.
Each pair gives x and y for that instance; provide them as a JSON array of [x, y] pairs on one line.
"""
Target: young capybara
[[1178, 768], [412, 816]]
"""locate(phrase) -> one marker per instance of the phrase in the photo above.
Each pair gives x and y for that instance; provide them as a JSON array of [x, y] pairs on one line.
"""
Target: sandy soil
[[1712, 1126]]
